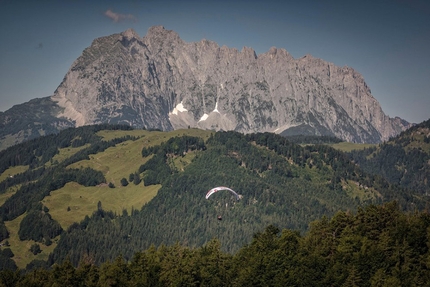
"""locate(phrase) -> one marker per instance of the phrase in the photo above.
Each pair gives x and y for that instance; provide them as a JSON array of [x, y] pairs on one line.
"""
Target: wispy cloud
[[117, 17]]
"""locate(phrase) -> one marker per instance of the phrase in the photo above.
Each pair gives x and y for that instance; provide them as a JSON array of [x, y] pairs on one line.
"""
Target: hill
[[403, 160], [84, 189]]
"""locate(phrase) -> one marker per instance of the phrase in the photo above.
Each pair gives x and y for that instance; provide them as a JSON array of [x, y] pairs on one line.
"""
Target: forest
[[300, 188], [379, 245], [404, 160]]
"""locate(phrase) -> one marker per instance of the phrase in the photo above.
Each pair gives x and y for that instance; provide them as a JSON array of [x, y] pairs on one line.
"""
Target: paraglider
[[219, 188]]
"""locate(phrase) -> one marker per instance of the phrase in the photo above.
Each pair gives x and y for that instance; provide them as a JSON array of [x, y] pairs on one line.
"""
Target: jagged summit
[[125, 78], [130, 34]]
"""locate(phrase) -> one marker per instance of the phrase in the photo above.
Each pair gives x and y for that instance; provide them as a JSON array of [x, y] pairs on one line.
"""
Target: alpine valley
[[162, 82]]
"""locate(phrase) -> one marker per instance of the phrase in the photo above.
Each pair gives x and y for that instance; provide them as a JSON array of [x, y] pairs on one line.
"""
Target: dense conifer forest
[[404, 160], [308, 214], [375, 246]]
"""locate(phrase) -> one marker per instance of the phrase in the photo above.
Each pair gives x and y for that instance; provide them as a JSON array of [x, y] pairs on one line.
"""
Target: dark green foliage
[[32, 193], [124, 181], [376, 246], [38, 181], [39, 151], [48, 242], [7, 252], [157, 169], [111, 185], [176, 146], [4, 233], [281, 183], [6, 264], [9, 277], [35, 249], [136, 179], [38, 226], [403, 160], [37, 264]]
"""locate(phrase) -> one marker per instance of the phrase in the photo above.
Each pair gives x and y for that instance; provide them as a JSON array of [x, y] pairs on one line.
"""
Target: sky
[[387, 42]]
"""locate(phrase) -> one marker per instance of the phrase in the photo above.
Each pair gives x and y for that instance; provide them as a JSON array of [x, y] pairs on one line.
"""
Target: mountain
[[403, 160], [102, 186], [161, 82]]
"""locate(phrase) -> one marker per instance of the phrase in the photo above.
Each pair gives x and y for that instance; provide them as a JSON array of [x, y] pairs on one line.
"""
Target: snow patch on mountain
[[179, 108], [204, 117]]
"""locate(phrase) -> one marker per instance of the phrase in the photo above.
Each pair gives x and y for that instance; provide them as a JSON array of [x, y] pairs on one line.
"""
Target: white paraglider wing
[[216, 189]]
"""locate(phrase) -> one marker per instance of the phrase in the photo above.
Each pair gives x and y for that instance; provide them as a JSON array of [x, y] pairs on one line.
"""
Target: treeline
[[29, 195], [376, 246], [39, 180], [37, 152], [177, 146], [341, 167], [403, 160], [157, 168], [39, 226]]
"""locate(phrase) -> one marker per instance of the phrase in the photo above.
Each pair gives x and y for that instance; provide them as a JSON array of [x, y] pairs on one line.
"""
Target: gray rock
[[159, 81]]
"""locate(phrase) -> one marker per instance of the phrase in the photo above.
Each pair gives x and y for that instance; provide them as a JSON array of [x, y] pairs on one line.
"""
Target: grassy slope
[[115, 162], [83, 200], [13, 171], [347, 146], [21, 249], [10, 172]]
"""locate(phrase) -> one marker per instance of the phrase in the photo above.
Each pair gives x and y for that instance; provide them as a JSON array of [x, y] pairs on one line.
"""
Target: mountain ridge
[[127, 79]]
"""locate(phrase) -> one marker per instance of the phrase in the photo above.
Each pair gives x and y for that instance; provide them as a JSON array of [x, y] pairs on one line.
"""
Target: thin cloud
[[117, 17]]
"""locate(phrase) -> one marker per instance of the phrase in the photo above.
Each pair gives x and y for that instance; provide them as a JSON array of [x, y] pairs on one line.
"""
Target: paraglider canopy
[[216, 189]]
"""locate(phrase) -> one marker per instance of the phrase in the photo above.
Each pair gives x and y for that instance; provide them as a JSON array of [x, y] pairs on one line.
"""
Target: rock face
[[159, 81]]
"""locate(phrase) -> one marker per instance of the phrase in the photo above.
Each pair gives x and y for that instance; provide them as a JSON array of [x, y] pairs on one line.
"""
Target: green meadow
[[347, 146], [4, 195], [73, 202], [21, 249], [13, 171]]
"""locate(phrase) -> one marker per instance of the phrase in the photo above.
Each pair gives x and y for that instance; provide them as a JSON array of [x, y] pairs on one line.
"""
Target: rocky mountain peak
[[160, 81], [249, 53], [221, 88], [162, 34], [130, 34]]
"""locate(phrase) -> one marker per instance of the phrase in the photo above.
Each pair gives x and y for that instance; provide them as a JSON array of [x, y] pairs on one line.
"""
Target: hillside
[[376, 246], [403, 160], [84, 189]]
